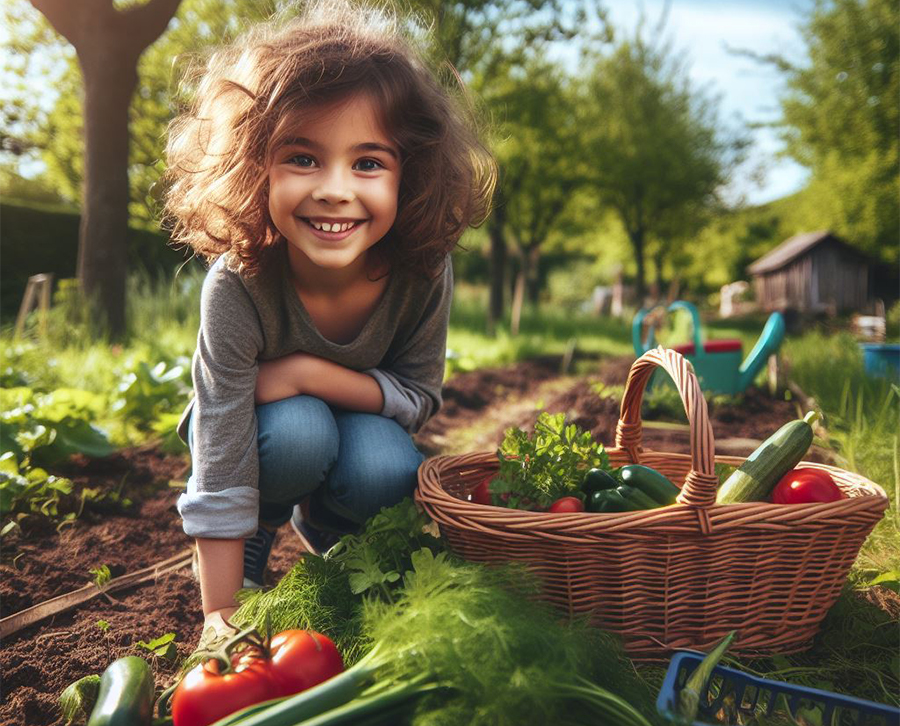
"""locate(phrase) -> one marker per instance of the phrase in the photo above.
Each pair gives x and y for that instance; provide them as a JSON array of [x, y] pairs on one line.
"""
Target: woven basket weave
[[676, 577]]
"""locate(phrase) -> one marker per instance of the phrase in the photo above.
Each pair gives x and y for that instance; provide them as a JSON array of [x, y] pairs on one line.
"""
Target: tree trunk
[[498, 261], [522, 277], [109, 43], [637, 244], [533, 280], [102, 249], [658, 264], [518, 300]]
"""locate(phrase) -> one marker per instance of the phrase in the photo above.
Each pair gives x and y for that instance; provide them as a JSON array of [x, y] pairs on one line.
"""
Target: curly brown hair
[[220, 149]]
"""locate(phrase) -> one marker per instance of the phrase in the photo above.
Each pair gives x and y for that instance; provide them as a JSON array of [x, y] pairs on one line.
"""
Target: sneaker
[[314, 540], [256, 555]]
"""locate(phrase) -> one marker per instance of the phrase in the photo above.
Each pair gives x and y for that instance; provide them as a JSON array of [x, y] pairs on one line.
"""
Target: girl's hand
[[281, 378]]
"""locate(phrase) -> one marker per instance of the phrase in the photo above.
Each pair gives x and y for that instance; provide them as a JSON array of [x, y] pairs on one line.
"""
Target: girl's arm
[[303, 374]]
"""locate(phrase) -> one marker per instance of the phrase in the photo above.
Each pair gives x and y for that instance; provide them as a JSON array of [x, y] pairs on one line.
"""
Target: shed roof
[[789, 250]]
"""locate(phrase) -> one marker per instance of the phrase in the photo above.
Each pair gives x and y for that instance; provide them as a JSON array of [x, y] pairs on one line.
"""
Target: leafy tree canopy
[[841, 119], [655, 149]]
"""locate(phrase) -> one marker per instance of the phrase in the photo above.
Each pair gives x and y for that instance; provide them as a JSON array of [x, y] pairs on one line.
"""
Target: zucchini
[[637, 498], [650, 482], [597, 480], [126, 694], [609, 500], [754, 480]]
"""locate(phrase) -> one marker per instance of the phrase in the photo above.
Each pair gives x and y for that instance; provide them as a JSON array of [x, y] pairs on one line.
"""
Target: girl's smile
[[333, 229]]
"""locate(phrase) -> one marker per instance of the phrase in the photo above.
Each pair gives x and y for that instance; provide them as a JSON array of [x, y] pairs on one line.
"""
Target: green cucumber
[[754, 480], [609, 500], [597, 480], [637, 498], [650, 482], [126, 694]]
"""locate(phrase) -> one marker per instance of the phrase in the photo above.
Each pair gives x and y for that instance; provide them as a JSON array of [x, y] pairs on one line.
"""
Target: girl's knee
[[378, 466], [382, 484], [298, 444]]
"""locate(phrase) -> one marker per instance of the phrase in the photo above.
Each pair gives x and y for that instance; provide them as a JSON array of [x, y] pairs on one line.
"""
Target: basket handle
[[700, 485]]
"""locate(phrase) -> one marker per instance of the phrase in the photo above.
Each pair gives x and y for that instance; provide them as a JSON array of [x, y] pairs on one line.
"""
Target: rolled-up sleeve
[[411, 380], [222, 498]]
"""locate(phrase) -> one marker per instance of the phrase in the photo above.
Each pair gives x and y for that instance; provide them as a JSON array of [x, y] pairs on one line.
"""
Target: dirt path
[[40, 563]]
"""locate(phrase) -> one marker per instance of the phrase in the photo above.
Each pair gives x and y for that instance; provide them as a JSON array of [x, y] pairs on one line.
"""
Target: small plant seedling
[[162, 647], [102, 575], [104, 627]]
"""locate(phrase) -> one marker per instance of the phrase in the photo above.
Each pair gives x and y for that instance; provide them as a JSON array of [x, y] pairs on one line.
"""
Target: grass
[[862, 416], [544, 331]]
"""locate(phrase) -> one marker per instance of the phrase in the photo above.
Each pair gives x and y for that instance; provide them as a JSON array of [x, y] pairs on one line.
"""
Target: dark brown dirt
[[493, 393], [39, 563]]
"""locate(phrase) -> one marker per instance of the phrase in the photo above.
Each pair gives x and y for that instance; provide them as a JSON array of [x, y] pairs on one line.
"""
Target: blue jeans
[[350, 464]]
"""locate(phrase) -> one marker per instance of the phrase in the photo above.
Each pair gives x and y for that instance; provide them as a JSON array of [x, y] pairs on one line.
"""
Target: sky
[[705, 29]]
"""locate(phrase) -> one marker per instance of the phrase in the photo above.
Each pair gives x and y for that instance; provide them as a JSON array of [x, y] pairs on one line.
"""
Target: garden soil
[[39, 562]]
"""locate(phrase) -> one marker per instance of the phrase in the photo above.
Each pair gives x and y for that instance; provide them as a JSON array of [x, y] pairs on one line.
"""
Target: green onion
[[689, 696]]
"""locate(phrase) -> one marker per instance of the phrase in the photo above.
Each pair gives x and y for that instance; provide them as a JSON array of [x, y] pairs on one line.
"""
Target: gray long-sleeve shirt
[[243, 321]]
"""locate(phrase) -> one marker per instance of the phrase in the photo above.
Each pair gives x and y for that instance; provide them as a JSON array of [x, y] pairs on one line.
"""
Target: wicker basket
[[680, 576]]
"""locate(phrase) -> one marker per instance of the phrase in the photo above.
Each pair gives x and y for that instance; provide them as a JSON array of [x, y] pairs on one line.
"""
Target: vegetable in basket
[[538, 469], [781, 452], [650, 482], [567, 504], [806, 485], [634, 487]]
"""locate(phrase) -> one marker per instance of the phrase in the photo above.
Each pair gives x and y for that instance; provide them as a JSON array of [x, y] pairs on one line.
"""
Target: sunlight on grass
[[862, 416], [542, 332]]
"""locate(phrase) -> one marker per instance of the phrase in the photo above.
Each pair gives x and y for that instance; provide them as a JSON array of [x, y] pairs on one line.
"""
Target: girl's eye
[[301, 160], [364, 165]]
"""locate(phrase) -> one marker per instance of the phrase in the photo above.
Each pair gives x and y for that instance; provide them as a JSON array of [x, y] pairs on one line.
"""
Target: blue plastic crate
[[754, 695]]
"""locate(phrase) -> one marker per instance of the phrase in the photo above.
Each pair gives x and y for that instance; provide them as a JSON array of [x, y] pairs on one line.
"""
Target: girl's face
[[333, 186]]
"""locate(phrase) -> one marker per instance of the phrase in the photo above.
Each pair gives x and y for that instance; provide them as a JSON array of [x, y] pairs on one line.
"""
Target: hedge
[[35, 239]]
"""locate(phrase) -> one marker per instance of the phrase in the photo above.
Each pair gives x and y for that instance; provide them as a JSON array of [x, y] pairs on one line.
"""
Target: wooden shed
[[812, 272]]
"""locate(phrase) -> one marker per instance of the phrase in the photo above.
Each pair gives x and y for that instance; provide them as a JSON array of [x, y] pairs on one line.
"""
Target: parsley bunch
[[537, 470]]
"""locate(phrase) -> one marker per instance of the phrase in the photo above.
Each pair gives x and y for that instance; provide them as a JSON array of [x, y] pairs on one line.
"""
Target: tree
[[841, 119], [108, 43], [658, 155], [538, 153], [489, 42]]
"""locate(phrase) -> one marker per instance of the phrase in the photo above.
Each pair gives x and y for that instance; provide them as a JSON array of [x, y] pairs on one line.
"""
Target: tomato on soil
[[805, 485], [567, 504], [302, 659], [205, 695]]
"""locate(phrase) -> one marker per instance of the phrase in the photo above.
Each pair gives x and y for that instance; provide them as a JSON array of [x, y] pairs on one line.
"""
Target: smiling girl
[[326, 174]]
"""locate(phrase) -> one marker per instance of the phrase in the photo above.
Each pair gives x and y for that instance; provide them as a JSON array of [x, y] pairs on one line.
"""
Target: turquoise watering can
[[719, 364]]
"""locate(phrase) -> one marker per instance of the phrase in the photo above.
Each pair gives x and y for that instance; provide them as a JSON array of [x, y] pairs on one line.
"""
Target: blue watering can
[[719, 364]]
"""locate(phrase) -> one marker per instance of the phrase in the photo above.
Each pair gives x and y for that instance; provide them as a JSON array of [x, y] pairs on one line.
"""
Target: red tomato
[[204, 695], [302, 659], [801, 486], [481, 494], [567, 504]]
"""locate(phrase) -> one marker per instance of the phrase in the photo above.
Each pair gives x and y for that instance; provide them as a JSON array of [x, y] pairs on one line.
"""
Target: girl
[[327, 174]]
